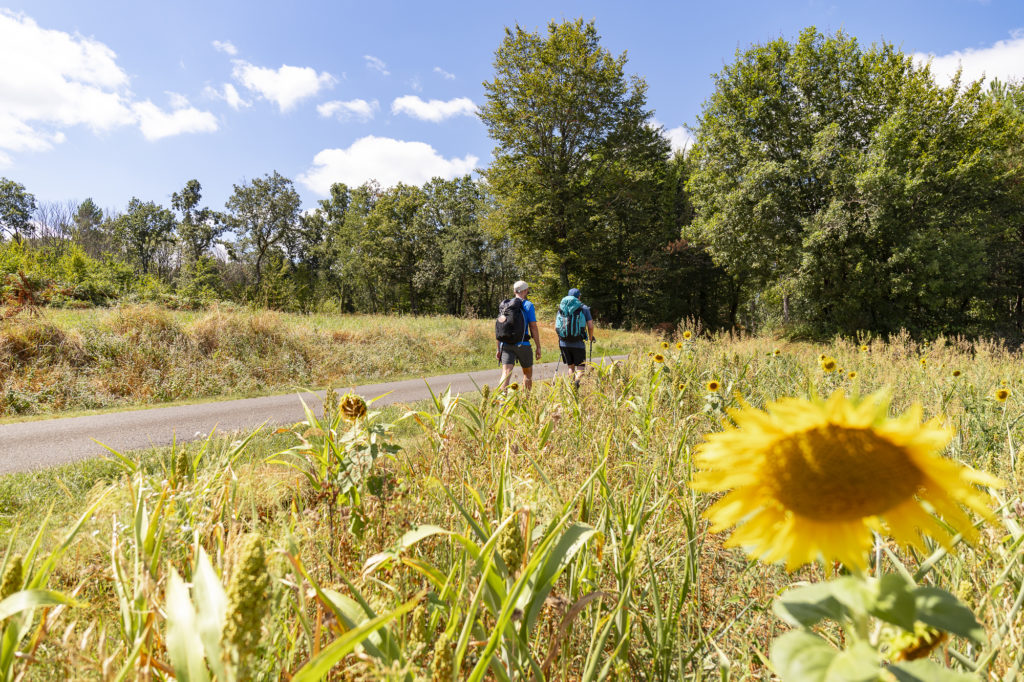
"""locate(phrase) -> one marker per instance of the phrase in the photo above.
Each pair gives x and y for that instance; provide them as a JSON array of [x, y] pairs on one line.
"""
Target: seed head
[[441, 669], [248, 597], [13, 577], [511, 546]]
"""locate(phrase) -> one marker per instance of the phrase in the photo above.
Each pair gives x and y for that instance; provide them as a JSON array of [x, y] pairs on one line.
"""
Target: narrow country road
[[34, 445]]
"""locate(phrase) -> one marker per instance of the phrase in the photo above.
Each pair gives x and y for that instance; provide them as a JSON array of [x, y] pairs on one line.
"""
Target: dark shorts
[[574, 356], [510, 354]]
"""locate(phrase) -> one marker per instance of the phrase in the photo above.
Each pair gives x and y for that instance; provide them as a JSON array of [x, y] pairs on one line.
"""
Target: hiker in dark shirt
[[574, 324]]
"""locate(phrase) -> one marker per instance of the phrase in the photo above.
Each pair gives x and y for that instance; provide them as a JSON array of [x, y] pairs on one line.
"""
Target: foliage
[[264, 215], [847, 184], [16, 208]]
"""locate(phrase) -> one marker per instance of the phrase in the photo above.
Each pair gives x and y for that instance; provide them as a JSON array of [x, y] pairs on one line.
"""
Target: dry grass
[[82, 360]]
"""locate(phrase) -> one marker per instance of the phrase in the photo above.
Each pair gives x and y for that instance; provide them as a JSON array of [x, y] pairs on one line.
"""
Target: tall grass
[[541, 536], [80, 360]]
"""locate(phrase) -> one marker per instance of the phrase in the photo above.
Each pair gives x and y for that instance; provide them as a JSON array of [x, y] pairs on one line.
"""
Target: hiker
[[516, 325], [574, 324]]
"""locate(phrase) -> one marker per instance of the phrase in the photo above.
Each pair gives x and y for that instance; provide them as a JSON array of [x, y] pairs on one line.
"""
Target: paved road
[[35, 445]]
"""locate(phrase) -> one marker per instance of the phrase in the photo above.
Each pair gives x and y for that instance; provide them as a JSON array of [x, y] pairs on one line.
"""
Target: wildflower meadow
[[715, 507]]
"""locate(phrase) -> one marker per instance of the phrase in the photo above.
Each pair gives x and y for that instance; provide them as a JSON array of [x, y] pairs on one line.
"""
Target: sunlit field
[[61, 360], [557, 535]]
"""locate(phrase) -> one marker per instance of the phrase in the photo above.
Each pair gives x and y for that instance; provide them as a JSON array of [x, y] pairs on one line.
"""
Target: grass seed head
[[248, 597], [13, 577]]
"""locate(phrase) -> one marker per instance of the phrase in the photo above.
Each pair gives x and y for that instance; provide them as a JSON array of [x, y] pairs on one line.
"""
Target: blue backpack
[[570, 323]]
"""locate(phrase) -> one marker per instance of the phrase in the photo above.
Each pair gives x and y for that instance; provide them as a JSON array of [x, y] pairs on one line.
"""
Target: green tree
[[264, 215], [845, 185], [560, 109], [16, 208], [88, 232], [199, 227], [142, 231]]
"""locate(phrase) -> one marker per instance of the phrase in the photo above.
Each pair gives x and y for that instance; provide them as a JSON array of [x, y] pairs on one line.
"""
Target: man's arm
[[534, 334], [590, 329]]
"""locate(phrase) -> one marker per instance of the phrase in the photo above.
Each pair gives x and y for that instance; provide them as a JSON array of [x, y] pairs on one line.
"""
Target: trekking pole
[[591, 361]]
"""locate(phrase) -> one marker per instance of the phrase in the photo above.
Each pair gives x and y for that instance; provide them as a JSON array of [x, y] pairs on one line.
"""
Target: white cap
[[520, 286]]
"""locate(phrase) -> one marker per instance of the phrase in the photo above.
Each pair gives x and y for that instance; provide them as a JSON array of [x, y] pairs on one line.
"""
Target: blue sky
[[111, 100]]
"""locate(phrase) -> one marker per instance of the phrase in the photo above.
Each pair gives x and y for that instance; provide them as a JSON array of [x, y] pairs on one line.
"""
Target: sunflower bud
[[248, 595], [353, 407], [13, 577], [910, 646]]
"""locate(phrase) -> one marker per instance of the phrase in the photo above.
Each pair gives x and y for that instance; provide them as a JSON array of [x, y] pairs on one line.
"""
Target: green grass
[[67, 362], [550, 536]]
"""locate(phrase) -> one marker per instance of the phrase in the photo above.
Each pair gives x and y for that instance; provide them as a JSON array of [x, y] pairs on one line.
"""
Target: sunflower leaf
[[942, 610], [894, 601], [808, 605], [801, 656], [926, 671]]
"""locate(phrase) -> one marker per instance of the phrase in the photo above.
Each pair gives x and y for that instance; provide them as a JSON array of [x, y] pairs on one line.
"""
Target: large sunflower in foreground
[[810, 478]]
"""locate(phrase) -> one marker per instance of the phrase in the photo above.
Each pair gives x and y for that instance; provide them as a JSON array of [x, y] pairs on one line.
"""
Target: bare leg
[[527, 378], [506, 374]]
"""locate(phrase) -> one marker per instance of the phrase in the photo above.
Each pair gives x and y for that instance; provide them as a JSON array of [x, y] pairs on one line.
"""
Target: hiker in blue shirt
[[571, 333], [509, 353]]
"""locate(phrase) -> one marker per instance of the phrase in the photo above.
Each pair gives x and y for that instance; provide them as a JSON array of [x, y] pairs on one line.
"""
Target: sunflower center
[[836, 473]]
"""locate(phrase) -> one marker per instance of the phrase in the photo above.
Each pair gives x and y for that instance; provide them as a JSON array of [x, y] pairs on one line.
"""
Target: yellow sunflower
[[864, 349], [821, 358], [924, 362], [687, 334], [956, 373], [776, 351], [852, 375], [658, 357], [1002, 394], [713, 386], [810, 478], [664, 345], [828, 364], [679, 345]]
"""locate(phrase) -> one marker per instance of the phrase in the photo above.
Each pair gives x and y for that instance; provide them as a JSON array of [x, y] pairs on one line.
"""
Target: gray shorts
[[511, 353]]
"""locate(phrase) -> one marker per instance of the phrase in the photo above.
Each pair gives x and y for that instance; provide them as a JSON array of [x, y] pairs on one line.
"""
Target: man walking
[[574, 324], [509, 350]]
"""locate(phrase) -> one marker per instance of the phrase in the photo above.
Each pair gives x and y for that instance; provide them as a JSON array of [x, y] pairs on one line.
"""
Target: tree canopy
[[847, 185]]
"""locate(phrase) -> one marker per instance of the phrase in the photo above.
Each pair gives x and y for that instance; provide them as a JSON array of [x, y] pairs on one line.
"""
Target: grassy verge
[[551, 536], [77, 362]]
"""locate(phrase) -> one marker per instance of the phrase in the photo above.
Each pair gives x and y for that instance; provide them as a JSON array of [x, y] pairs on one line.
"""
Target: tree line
[[831, 188]]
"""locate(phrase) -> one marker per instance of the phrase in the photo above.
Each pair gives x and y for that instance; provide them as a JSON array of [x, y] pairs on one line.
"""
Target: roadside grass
[[82, 361], [549, 536]]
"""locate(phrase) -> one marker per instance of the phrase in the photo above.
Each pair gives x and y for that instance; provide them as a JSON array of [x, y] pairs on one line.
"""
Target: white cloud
[[229, 94], [225, 46], [155, 123], [286, 86], [60, 80], [1003, 60], [63, 80], [386, 160], [356, 109], [444, 74], [435, 110], [178, 101], [679, 138], [376, 64]]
